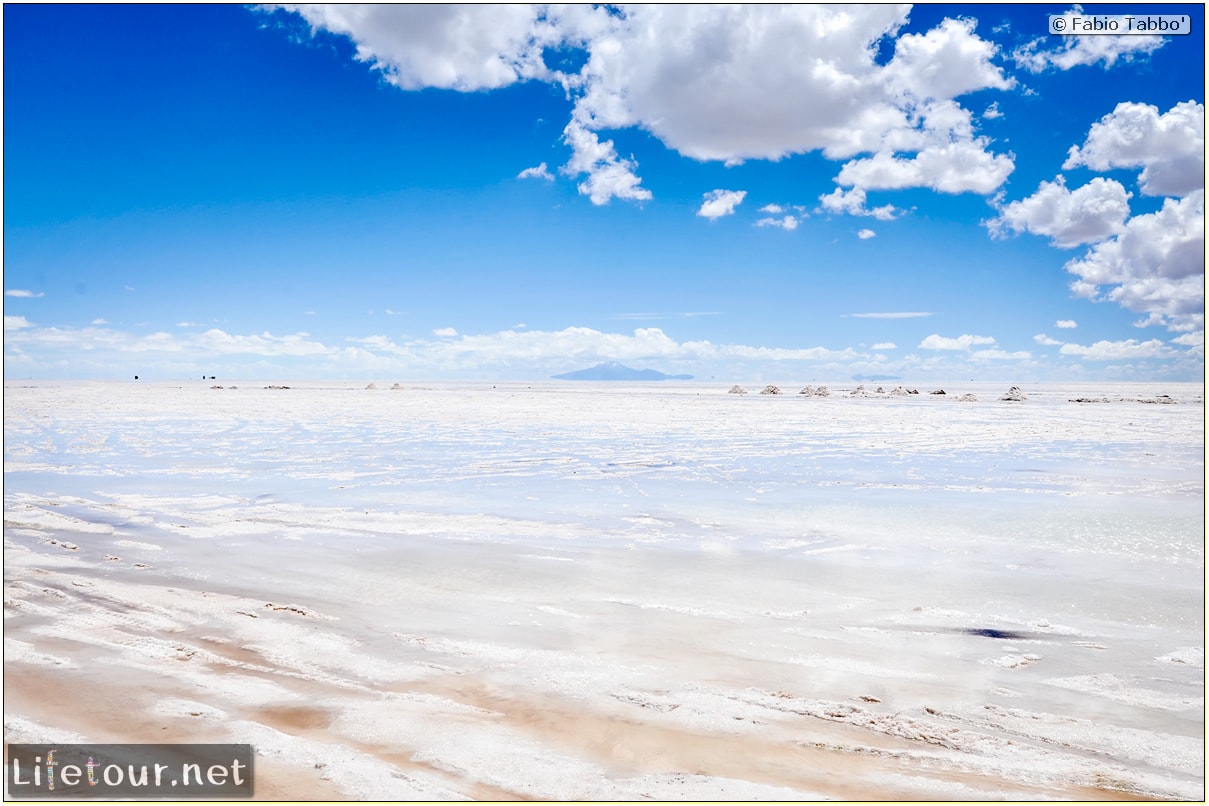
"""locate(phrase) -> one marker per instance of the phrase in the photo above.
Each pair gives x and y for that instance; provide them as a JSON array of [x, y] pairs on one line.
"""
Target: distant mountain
[[876, 378], [612, 371]]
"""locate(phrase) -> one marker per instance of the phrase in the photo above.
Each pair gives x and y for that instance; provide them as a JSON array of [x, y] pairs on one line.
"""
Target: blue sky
[[780, 193]]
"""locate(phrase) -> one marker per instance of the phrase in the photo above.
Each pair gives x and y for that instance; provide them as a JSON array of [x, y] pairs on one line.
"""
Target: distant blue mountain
[[612, 371]]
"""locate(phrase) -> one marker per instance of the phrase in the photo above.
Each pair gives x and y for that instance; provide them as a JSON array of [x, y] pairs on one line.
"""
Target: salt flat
[[616, 591]]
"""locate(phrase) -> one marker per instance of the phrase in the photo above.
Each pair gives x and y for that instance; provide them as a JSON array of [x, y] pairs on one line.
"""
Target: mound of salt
[[372, 386], [822, 391], [968, 398], [770, 390], [807, 390], [1014, 394], [737, 390], [899, 391], [397, 386]]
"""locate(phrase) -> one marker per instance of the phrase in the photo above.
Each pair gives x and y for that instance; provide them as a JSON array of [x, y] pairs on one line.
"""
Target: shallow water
[[521, 590]]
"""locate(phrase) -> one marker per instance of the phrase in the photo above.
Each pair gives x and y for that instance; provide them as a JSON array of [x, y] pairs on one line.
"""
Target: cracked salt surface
[[615, 591]]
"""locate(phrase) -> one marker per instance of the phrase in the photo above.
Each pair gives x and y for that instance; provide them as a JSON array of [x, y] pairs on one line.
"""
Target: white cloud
[[772, 209], [99, 321], [1195, 341], [1041, 338], [609, 176], [453, 47], [963, 342], [885, 345], [947, 61], [890, 315], [1170, 148], [710, 81], [852, 202], [1001, 355], [1088, 214], [866, 234], [1075, 51], [20, 292], [719, 203], [1119, 350], [1066, 323], [992, 112], [538, 172], [787, 223], [16, 322], [445, 332], [957, 167], [1155, 266]]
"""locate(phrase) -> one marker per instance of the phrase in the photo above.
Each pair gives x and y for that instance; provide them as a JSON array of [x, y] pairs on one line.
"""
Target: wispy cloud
[[20, 292], [651, 315], [891, 315]]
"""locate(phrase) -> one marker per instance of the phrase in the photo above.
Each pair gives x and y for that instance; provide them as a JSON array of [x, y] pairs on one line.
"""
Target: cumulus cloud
[[992, 112], [1156, 265], [537, 172], [772, 209], [1170, 148], [16, 322], [445, 332], [1001, 355], [609, 176], [866, 234], [1066, 323], [786, 223], [963, 342], [1041, 338], [20, 292], [852, 202], [1088, 214], [452, 47], [1129, 349], [1077, 51], [721, 202], [1194, 341], [885, 345], [957, 167], [710, 82]]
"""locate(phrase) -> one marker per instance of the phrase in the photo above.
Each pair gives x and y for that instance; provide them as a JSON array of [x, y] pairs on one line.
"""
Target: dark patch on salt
[[988, 632]]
